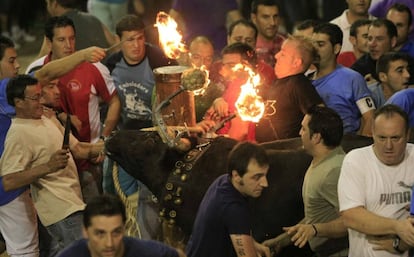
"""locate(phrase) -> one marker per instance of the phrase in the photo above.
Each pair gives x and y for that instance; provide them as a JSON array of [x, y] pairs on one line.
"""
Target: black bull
[[145, 157]]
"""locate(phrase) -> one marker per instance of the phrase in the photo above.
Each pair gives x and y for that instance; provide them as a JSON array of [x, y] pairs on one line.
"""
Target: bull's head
[[194, 80]]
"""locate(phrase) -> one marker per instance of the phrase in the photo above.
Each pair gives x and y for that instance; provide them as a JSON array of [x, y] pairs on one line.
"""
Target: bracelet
[[315, 230], [396, 245]]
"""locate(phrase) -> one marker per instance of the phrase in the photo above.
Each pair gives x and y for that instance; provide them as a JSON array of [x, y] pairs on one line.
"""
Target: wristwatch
[[396, 245]]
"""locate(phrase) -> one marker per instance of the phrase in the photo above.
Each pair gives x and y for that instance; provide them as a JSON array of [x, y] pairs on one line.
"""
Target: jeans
[[147, 205], [64, 232]]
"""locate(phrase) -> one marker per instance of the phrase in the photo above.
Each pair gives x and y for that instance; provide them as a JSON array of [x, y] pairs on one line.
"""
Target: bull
[[179, 180]]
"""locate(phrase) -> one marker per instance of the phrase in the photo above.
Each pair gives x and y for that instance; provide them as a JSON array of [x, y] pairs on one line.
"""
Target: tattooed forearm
[[239, 246]]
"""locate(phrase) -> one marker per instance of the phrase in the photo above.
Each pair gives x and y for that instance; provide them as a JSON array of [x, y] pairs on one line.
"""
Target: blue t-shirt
[[377, 94], [340, 90], [133, 247], [405, 100], [223, 212], [135, 85], [6, 113]]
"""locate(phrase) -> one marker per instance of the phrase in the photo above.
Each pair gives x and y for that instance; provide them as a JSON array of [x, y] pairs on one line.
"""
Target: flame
[[170, 39], [249, 105]]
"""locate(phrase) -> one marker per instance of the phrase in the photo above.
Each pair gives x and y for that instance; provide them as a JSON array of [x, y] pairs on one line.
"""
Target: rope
[[131, 225]]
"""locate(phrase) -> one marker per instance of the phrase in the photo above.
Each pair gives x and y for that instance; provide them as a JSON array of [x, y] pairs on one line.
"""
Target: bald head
[[201, 52]]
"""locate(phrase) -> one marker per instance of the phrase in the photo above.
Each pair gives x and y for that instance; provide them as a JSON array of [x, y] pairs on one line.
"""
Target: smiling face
[[390, 139], [133, 48], [105, 235], [253, 181], [30, 106]]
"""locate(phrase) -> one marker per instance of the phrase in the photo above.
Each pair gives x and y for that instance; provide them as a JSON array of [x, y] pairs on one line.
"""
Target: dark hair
[[391, 29], [332, 30], [16, 87], [306, 24], [57, 22], [383, 63], [402, 8], [256, 3], [247, 52], [103, 205], [356, 25], [5, 43], [389, 110], [129, 23], [240, 156], [68, 3], [328, 123], [245, 23]]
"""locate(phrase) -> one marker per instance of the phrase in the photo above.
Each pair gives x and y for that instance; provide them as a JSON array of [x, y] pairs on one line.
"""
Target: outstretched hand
[[93, 54], [300, 233]]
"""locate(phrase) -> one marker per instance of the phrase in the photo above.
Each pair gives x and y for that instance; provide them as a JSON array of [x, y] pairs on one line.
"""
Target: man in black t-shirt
[[291, 95], [222, 227]]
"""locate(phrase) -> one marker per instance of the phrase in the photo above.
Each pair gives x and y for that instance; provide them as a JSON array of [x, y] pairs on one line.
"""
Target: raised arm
[[84, 150], [57, 68]]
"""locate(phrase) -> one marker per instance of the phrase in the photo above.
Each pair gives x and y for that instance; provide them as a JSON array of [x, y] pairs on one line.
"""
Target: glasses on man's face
[[33, 98], [197, 57]]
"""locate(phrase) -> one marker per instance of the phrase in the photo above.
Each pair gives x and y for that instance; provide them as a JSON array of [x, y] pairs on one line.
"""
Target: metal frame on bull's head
[[188, 83]]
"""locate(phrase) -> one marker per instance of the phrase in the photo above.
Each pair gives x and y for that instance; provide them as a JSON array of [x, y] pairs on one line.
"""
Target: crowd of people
[[324, 79]]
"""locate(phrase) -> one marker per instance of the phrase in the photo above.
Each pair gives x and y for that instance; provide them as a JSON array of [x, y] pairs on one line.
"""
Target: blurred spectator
[[393, 75], [402, 18], [265, 15], [357, 9], [205, 17], [382, 38], [380, 9], [108, 11], [306, 27], [242, 31], [89, 30], [358, 36], [405, 100]]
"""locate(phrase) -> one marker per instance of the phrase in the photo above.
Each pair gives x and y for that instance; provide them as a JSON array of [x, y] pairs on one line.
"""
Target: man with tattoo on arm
[[222, 226]]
